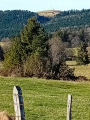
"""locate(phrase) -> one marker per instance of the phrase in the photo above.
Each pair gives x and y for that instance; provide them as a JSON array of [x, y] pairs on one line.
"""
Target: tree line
[[34, 53]]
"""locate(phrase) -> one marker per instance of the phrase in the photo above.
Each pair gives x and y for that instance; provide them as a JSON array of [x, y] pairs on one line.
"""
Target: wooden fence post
[[69, 105], [18, 103]]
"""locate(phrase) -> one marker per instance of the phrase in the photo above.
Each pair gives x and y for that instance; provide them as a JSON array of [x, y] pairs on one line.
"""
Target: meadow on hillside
[[46, 99], [80, 70]]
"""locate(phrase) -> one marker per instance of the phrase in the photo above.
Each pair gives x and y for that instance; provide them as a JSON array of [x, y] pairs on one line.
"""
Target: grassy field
[[47, 99], [80, 70], [49, 13]]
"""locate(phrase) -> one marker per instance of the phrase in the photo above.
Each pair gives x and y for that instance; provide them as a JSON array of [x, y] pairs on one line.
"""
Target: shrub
[[35, 65]]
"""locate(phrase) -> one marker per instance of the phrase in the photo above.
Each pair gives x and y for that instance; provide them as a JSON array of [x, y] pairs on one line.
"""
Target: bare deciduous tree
[[57, 50]]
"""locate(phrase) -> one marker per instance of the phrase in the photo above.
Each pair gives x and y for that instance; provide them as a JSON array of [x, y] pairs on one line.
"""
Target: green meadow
[[47, 99]]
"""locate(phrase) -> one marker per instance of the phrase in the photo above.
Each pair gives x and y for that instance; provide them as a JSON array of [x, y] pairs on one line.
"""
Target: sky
[[40, 5]]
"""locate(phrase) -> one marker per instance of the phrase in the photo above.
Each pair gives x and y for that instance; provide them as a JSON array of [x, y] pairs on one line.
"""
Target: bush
[[66, 73], [35, 65]]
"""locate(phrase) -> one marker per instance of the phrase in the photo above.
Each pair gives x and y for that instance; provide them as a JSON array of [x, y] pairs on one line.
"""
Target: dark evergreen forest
[[12, 22], [69, 19]]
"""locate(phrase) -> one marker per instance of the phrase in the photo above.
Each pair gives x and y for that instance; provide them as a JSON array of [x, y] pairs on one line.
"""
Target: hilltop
[[49, 13], [68, 19]]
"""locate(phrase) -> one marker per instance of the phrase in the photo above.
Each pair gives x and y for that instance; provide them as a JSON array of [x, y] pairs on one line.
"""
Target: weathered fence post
[[18, 103], [69, 105]]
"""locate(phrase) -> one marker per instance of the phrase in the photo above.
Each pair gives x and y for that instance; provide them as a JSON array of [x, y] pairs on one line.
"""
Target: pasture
[[49, 13], [80, 70], [47, 99]]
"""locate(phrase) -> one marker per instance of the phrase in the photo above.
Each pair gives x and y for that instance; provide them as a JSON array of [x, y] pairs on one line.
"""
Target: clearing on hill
[[49, 13]]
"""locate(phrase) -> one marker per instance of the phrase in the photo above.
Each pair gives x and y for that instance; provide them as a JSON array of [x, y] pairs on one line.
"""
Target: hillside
[[66, 19], [12, 22], [49, 13]]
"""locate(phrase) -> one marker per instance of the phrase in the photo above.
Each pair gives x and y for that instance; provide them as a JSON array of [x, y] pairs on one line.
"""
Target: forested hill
[[72, 18], [12, 22]]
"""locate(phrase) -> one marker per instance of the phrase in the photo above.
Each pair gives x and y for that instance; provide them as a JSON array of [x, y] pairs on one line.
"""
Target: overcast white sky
[[39, 5]]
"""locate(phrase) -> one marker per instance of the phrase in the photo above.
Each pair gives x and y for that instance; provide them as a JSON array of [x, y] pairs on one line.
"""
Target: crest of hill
[[49, 13], [68, 19]]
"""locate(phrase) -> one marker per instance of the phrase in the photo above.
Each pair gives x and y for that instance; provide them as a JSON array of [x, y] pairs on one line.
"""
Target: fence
[[19, 106]]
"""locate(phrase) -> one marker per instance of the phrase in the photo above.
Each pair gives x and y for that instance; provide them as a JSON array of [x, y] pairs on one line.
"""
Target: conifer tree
[[82, 57], [32, 42], [13, 56], [34, 38]]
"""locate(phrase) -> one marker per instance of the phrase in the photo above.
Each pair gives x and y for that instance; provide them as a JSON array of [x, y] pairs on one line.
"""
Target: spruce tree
[[13, 56], [34, 38], [31, 46], [82, 57]]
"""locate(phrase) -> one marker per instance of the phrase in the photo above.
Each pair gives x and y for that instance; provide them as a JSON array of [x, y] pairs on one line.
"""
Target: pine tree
[[34, 38], [13, 57], [82, 57], [31, 45]]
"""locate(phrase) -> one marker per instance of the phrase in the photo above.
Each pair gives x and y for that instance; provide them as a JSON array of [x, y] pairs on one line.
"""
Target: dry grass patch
[[83, 70], [80, 70], [5, 116], [49, 13]]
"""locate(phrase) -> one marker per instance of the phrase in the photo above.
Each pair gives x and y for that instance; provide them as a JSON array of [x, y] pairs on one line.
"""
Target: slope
[[71, 18], [12, 22], [49, 13]]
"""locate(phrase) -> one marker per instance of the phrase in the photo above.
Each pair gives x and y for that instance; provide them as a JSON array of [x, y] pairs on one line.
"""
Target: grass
[[71, 63], [47, 99], [49, 13], [83, 70], [80, 70]]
